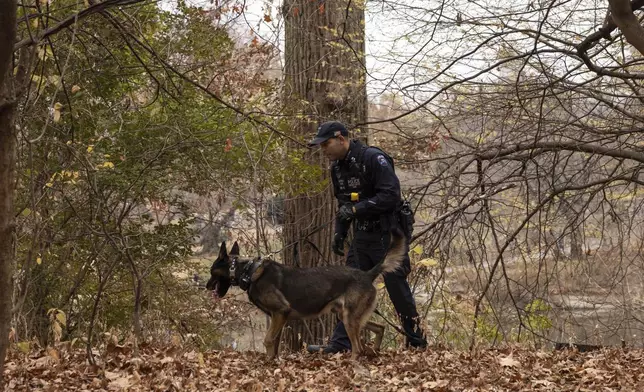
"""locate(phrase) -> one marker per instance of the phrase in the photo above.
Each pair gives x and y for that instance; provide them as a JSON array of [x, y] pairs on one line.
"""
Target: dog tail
[[394, 257]]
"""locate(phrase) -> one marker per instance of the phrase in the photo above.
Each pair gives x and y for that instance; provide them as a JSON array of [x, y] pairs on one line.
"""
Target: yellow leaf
[[60, 316], [23, 347], [429, 262], [201, 360], [25, 212], [380, 285], [54, 79], [39, 260], [49, 184], [90, 148], [57, 107], [418, 249]]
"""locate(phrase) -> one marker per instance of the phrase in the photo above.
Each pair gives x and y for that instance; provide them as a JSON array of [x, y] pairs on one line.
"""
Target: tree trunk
[[324, 80], [576, 242], [7, 172], [136, 316]]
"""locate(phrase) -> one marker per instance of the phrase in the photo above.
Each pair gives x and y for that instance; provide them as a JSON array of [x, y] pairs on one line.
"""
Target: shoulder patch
[[382, 160]]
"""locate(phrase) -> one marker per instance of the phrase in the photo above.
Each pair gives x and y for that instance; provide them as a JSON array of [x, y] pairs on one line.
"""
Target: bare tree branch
[[558, 146], [461, 208], [92, 9]]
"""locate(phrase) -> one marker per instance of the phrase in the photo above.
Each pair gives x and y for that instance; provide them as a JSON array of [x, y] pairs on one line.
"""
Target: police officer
[[368, 193]]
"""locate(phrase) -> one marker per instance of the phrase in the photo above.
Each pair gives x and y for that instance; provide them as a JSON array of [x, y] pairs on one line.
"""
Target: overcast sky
[[409, 42]]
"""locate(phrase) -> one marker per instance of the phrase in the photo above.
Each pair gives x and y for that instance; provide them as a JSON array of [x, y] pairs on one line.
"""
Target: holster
[[406, 219]]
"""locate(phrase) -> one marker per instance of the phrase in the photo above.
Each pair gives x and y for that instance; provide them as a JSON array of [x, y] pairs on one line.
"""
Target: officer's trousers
[[367, 250]]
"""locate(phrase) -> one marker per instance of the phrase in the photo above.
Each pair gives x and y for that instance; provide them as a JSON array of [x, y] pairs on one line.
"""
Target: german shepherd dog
[[287, 293]]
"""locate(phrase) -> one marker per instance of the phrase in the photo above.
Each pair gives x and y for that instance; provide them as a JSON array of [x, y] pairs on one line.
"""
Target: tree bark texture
[[324, 80], [7, 172], [628, 23]]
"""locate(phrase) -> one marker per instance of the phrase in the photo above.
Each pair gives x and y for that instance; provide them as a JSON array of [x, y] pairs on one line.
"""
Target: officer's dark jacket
[[373, 177]]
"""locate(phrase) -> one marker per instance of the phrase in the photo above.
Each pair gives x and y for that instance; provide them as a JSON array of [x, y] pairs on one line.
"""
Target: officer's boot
[[415, 334], [338, 343]]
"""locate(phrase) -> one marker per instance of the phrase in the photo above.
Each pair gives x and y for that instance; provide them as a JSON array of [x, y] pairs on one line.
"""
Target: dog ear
[[222, 251], [235, 249]]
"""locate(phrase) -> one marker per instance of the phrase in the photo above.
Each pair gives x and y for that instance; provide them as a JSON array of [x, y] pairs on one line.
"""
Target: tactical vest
[[356, 181]]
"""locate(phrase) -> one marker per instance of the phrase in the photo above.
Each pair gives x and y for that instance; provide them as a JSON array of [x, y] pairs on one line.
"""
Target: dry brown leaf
[[53, 353], [119, 384], [508, 361], [436, 384], [435, 370], [111, 375]]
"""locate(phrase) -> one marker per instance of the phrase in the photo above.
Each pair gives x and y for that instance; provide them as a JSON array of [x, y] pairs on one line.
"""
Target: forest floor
[[172, 368]]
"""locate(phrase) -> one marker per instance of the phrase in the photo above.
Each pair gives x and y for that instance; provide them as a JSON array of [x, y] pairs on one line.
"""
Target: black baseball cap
[[328, 130]]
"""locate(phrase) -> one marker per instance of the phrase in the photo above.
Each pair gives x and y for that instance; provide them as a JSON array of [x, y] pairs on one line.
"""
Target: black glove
[[338, 244], [346, 212]]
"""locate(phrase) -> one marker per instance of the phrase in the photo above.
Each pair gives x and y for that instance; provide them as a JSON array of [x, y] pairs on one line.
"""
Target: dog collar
[[245, 279], [231, 270]]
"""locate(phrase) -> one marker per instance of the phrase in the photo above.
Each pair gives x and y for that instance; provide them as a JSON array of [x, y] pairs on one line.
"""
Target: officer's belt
[[367, 225]]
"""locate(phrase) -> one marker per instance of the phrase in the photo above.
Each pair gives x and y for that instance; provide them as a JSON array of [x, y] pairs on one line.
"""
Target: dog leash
[[296, 252], [397, 328], [304, 237]]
